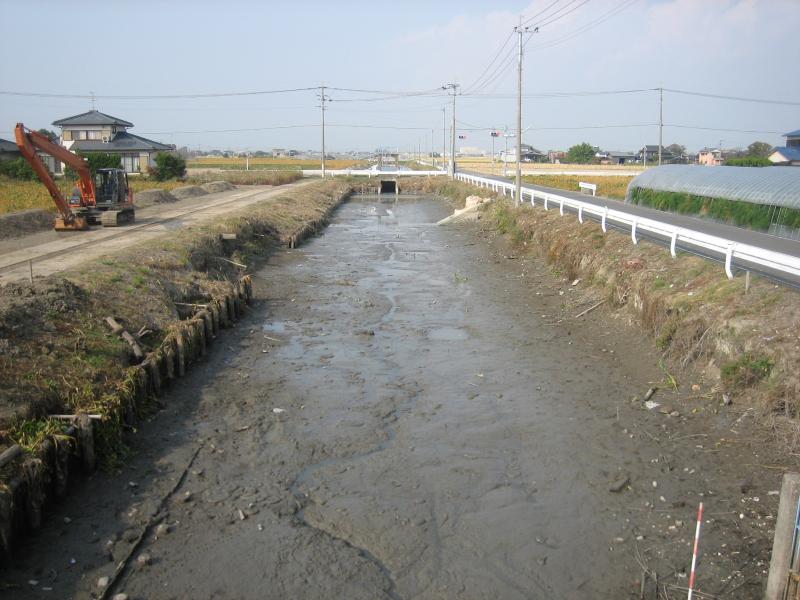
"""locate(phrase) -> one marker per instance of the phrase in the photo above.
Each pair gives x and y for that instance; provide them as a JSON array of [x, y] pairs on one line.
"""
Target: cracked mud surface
[[404, 417]]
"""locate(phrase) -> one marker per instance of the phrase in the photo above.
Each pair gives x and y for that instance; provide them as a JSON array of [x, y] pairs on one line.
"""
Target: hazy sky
[[745, 48]]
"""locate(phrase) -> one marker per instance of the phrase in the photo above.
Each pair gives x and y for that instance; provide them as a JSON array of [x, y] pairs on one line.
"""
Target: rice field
[[274, 164], [24, 195], [610, 186]]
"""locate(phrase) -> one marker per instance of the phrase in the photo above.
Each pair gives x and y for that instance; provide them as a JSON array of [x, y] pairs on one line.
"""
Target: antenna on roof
[[92, 95]]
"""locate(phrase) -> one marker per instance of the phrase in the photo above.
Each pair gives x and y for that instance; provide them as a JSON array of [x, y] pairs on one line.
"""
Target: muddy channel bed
[[409, 413]]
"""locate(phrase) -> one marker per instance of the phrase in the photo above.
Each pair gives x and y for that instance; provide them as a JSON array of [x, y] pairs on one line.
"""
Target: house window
[[130, 163], [94, 135]]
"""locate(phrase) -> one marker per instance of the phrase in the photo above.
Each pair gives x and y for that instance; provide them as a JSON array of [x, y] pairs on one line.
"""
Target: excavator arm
[[29, 142]]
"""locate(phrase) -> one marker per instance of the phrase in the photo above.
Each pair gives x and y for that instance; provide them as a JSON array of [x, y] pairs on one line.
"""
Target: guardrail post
[[603, 219], [561, 206], [633, 232], [580, 214], [672, 242], [545, 202], [533, 198], [728, 260]]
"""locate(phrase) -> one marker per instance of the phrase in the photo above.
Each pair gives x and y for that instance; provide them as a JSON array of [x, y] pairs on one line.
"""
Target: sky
[[407, 50]]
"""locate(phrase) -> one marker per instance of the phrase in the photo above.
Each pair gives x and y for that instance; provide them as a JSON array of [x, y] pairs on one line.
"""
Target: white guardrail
[[368, 173], [727, 250]]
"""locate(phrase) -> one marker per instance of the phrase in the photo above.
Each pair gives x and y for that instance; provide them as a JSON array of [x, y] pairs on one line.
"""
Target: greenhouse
[[764, 199]]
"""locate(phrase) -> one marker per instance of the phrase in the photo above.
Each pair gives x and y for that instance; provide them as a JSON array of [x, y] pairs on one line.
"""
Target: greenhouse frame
[[765, 199]]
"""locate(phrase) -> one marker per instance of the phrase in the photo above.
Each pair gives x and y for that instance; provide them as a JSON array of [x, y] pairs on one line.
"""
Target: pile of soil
[[150, 197], [188, 191], [35, 322], [24, 222], [214, 187]]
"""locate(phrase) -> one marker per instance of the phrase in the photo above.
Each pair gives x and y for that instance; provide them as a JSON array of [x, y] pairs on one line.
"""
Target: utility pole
[[453, 87], [433, 160], [323, 99], [519, 30], [660, 122], [444, 136]]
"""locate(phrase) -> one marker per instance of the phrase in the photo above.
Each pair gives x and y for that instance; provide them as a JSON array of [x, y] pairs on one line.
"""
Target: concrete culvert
[[389, 187]]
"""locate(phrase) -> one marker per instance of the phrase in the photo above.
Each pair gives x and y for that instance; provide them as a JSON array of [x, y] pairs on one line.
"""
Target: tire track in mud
[[303, 498]]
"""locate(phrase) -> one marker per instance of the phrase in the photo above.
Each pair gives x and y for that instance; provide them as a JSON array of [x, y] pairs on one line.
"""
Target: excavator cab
[[113, 199], [111, 186]]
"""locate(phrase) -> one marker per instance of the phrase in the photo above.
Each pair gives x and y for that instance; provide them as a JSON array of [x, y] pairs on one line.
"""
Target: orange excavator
[[103, 199]]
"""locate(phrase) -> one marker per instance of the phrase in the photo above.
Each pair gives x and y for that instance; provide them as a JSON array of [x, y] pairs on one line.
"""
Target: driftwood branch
[[590, 309], [119, 330], [9, 454]]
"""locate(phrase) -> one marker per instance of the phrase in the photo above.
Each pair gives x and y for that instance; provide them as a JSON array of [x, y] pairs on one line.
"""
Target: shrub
[[168, 166], [17, 169], [748, 161]]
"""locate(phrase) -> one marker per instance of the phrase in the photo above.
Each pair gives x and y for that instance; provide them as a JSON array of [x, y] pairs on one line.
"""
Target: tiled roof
[[93, 117], [121, 142]]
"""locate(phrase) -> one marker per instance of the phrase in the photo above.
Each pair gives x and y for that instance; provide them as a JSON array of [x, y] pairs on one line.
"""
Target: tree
[[759, 150], [168, 166], [51, 134], [677, 150], [96, 160], [581, 153]]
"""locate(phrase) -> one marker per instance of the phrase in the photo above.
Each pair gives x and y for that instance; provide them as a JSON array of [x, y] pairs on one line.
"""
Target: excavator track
[[115, 218]]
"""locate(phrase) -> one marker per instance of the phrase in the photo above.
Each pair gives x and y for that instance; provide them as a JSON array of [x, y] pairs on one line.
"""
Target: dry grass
[[610, 186], [484, 165], [268, 163]]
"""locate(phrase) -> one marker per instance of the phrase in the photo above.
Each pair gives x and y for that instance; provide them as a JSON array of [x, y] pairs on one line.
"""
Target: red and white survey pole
[[694, 552]]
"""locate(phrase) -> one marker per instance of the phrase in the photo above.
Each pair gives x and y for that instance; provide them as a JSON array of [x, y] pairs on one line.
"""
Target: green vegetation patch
[[735, 212], [745, 372]]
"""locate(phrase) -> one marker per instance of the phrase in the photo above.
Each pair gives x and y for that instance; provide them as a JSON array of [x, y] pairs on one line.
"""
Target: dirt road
[[412, 413], [52, 252]]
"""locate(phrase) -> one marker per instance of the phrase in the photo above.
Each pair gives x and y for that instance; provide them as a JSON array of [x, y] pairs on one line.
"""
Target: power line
[[471, 127], [553, 18], [591, 25], [489, 66], [541, 12], [155, 96], [314, 125], [565, 94], [723, 129], [736, 98]]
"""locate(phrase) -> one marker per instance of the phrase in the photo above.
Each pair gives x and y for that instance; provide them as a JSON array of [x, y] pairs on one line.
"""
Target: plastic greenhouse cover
[[775, 186]]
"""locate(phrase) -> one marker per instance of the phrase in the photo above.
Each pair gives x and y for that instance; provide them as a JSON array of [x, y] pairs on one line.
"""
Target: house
[[621, 158], [649, 153], [9, 150], [94, 131], [527, 154], [710, 157], [790, 153], [556, 156], [613, 157]]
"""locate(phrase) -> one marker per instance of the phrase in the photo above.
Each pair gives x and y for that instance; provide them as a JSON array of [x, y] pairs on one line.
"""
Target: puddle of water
[[274, 327], [448, 334]]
